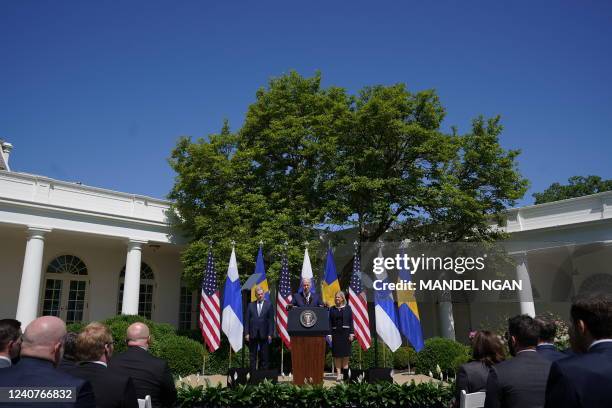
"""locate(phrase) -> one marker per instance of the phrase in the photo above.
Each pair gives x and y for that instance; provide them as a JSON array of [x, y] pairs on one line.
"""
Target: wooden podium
[[308, 327]]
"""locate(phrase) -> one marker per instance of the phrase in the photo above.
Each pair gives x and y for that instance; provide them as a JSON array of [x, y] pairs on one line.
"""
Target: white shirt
[[99, 362], [259, 307], [600, 341], [7, 359]]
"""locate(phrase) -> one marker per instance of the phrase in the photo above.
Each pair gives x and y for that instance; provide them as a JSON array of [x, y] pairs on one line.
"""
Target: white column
[[525, 294], [445, 314], [31, 276], [131, 283]]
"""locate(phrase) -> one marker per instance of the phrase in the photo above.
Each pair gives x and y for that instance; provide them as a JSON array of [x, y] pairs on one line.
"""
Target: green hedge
[[445, 353], [401, 359], [184, 355], [425, 395]]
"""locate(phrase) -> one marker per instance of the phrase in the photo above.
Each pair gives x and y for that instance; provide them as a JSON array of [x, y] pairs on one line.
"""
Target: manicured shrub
[[425, 395], [184, 355], [401, 359], [404, 357], [459, 360], [218, 362], [440, 352]]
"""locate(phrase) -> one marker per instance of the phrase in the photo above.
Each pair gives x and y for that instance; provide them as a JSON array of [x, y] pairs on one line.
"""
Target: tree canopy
[[577, 186], [309, 159]]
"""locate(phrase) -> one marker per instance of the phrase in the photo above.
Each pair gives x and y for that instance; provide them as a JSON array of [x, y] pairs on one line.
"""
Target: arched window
[[145, 297], [66, 283]]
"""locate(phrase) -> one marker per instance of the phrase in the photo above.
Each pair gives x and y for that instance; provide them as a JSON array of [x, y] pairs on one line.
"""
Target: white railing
[[43, 191]]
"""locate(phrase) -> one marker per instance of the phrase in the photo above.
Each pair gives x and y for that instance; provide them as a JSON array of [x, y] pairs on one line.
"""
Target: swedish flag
[[330, 281], [409, 319], [262, 281]]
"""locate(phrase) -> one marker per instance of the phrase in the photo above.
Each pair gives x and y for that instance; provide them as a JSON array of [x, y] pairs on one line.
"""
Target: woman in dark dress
[[487, 350], [341, 321]]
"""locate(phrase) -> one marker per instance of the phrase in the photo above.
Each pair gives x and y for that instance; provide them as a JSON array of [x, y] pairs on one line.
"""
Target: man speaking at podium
[[306, 298]]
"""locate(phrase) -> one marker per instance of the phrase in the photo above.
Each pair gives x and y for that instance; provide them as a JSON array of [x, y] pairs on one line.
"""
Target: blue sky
[[98, 92]]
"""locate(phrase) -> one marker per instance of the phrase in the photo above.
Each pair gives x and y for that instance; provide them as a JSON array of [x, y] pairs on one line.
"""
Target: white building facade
[[84, 253]]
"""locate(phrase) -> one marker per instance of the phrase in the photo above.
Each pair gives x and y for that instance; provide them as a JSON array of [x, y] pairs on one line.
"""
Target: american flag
[[210, 309], [284, 299], [359, 306]]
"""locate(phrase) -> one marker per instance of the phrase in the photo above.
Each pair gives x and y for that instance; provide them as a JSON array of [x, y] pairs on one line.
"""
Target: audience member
[[10, 341], [546, 340], [519, 382], [94, 348], [487, 350], [69, 359], [150, 374], [41, 351], [584, 379]]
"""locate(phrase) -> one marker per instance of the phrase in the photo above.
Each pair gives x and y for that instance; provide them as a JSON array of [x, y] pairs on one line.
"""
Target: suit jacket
[[4, 363], [151, 375], [112, 389], [66, 364], [259, 326], [35, 372], [550, 352], [341, 318], [582, 380], [519, 382], [300, 301], [471, 377]]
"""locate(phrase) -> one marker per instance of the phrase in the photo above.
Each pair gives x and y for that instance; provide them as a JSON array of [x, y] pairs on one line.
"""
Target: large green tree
[[577, 186], [309, 158]]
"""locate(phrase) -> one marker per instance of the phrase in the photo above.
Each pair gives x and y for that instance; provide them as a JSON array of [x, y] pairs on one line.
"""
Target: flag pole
[[204, 364], [384, 356], [282, 358], [360, 358]]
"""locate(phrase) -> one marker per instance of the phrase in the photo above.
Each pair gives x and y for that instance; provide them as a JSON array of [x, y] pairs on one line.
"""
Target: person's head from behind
[[548, 330], [591, 321], [487, 348], [70, 346], [10, 338], [523, 333], [138, 335], [94, 343], [44, 339]]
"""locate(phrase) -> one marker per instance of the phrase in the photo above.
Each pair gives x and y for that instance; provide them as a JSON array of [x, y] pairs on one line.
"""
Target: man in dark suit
[[94, 347], [519, 382], [546, 340], [41, 351], [10, 341], [258, 329], [151, 375], [69, 358], [306, 298], [584, 379]]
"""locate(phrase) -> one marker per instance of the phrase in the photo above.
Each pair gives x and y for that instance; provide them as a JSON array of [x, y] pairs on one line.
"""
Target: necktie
[[258, 308], [308, 299]]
